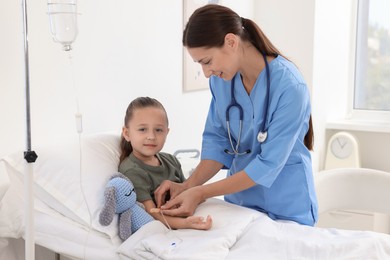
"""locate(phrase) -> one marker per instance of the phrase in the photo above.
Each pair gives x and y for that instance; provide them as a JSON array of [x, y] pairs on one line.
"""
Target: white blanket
[[155, 241], [268, 239], [241, 233]]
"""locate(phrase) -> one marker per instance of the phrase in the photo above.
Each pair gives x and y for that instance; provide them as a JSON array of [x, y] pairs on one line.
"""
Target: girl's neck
[[148, 160]]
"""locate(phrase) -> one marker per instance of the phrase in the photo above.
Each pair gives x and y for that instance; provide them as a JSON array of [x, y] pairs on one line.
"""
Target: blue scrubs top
[[281, 166]]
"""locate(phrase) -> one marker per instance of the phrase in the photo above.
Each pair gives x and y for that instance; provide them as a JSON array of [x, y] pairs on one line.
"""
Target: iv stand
[[29, 155]]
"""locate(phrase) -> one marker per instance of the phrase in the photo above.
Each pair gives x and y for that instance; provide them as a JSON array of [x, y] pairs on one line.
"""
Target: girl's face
[[147, 131], [221, 62]]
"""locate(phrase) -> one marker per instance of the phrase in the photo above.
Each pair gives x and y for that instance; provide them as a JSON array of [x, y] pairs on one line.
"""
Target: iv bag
[[63, 21]]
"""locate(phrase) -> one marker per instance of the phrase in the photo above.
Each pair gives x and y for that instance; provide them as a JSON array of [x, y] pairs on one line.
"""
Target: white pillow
[[61, 174], [4, 180]]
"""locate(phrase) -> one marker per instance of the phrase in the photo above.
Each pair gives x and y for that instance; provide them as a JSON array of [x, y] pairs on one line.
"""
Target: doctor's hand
[[184, 204], [167, 189]]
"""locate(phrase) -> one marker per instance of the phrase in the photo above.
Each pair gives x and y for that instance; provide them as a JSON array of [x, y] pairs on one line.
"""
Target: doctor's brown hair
[[138, 103], [208, 26]]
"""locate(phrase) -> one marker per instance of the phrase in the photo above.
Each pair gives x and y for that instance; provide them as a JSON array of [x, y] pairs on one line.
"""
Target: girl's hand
[[197, 222]]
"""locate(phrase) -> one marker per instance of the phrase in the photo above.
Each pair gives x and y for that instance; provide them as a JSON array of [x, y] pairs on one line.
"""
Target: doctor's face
[[147, 131], [215, 61]]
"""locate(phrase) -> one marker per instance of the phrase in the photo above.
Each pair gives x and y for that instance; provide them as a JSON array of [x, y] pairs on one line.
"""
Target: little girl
[[143, 137]]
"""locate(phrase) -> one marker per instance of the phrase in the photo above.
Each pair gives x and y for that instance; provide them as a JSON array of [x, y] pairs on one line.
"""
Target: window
[[372, 71]]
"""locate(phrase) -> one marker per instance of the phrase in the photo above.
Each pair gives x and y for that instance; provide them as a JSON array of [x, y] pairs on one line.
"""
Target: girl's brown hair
[[208, 26], [138, 103]]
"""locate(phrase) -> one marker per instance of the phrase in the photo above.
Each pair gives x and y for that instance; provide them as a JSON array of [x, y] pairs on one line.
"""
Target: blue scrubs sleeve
[[215, 139], [289, 114]]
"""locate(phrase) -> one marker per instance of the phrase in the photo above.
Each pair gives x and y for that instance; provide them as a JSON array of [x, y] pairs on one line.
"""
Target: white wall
[[290, 26], [120, 54]]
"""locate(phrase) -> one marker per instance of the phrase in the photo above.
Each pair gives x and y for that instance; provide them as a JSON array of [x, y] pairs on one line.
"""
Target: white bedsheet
[[69, 238], [52, 230]]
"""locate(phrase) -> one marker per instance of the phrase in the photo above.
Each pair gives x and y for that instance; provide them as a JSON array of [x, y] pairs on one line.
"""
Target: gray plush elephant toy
[[120, 198]]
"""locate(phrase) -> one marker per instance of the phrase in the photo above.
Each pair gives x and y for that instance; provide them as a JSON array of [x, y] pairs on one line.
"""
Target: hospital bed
[[69, 180]]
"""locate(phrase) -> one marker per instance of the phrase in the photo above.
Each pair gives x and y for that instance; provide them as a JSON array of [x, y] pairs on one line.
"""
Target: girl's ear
[[126, 133]]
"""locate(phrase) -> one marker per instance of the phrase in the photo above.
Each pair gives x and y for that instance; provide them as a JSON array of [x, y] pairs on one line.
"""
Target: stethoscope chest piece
[[261, 136]]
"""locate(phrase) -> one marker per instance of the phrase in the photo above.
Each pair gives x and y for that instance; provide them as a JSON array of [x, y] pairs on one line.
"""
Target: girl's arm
[[194, 222]]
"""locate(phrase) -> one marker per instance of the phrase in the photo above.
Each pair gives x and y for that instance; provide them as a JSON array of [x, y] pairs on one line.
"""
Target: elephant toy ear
[[125, 225], [107, 214]]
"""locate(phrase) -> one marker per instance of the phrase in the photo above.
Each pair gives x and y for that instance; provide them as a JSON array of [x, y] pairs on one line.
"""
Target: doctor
[[258, 125]]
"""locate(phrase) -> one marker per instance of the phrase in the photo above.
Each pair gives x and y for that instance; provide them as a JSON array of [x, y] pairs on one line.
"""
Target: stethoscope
[[262, 135]]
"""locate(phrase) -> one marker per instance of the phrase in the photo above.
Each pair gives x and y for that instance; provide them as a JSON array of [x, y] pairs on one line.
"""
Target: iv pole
[[29, 155]]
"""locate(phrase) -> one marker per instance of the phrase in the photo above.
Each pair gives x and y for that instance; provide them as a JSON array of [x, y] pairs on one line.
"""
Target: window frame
[[360, 29]]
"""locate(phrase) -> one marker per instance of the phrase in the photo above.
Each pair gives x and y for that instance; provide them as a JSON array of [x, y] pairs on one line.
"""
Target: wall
[[290, 26], [118, 55]]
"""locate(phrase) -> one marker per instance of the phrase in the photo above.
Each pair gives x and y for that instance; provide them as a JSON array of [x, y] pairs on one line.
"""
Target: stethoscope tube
[[233, 103], [262, 135]]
